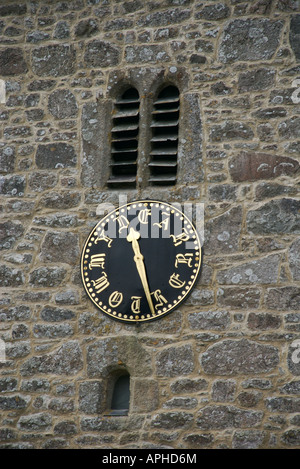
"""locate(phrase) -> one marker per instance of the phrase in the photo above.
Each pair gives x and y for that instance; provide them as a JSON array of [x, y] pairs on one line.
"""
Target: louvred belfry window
[[124, 140], [164, 141]]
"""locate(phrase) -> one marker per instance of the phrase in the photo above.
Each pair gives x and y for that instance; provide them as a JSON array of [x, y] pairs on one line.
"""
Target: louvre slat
[[124, 151], [127, 113], [161, 152], [166, 111], [165, 123], [124, 139], [171, 99], [122, 180], [163, 138], [125, 101], [125, 127], [123, 163], [166, 164], [163, 179]]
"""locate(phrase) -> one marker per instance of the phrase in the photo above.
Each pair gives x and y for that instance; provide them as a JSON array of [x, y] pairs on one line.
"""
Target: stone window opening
[[118, 396], [147, 157], [124, 139], [147, 164], [164, 139]]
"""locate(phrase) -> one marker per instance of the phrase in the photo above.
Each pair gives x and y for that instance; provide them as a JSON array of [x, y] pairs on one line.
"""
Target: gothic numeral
[[184, 259], [180, 238], [101, 236], [97, 260], [175, 282], [101, 283], [115, 299], [136, 304], [159, 298]]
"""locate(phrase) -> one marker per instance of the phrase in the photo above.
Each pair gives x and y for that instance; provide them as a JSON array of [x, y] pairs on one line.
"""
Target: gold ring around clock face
[[141, 261]]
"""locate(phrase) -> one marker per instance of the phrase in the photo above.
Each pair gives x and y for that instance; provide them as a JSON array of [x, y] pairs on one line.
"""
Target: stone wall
[[223, 370]]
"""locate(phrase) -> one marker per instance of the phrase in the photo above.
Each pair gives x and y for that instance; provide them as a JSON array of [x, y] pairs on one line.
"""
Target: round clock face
[[141, 261]]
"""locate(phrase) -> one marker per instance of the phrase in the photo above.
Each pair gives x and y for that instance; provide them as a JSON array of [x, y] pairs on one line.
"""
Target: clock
[[141, 261]]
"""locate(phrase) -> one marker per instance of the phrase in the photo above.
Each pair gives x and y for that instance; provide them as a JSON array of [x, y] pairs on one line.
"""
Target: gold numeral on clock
[[159, 298], [143, 215], [115, 299], [97, 260], [165, 221], [175, 282], [184, 259], [101, 283], [136, 304], [101, 236], [123, 222], [180, 238]]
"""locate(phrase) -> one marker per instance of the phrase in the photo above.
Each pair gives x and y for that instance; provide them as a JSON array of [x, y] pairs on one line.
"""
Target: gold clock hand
[[133, 237]]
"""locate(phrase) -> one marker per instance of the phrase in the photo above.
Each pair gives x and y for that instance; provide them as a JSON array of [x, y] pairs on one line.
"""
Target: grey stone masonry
[[222, 371]]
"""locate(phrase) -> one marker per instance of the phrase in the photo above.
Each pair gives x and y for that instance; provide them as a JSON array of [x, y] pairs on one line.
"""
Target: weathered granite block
[[259, 79], [47, 276], [231, 357], [55, 156], [172, 420], [67, 360], [61, 200], [291, 437], [12, 185], [54, 60], [146, 54], [164, 18], [62, 104], [222, 232], [294, 259], [16, 402], [295, 35], [145, 395], [260, 271], [276, 216], [221, 417], [283, 298], [10, 232], [12, 61], [250, 39], [60, 247], [252, 166], [101, 54], [92, 397], [11, 277], [52, 314], [290, 128], [175, 361], [248, 439], [231, 130], [214, 12], [35, 422], [216, 320], [7, 159]]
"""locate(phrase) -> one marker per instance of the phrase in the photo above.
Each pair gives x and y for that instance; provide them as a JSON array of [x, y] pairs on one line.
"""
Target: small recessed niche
[[119, 393]]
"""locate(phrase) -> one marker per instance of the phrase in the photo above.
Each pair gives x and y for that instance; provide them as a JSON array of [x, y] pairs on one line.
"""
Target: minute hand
[[133, 237]]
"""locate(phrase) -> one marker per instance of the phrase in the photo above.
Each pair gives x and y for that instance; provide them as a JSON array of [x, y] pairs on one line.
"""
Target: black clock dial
[[141, 261]]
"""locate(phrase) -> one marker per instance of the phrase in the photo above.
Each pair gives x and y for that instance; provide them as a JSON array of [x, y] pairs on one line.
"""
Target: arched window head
[[164, 141], [124, 140]]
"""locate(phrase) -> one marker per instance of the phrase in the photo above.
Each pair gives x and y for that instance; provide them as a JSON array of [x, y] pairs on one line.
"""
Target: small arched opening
[[119, 395]]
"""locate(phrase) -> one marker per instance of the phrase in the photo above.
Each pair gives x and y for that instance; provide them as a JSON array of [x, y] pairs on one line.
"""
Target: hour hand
[[133, 237]]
